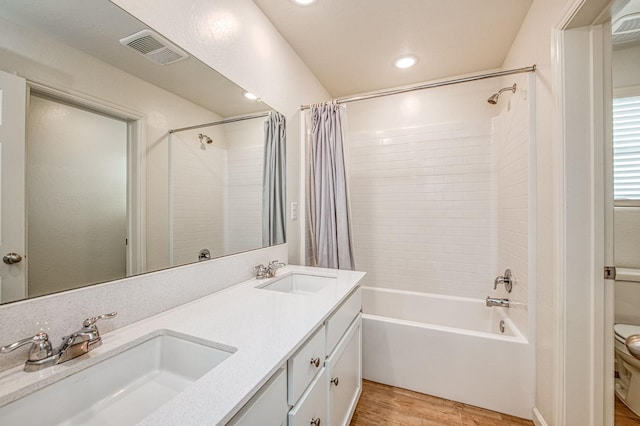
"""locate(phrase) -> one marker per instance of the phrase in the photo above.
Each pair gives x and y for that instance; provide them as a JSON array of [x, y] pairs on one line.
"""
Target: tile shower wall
[[439, 191], [423, 204], [198, 179], [243, 214], [423, 191], [511, 135], [217, 191]]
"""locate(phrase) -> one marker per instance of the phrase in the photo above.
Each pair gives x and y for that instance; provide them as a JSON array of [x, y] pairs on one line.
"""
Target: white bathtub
[[446, 346]]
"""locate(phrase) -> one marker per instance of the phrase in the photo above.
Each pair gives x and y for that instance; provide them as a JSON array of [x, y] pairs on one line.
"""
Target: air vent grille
[[154, 47], [629, 25], [626, 38], [145, 44]]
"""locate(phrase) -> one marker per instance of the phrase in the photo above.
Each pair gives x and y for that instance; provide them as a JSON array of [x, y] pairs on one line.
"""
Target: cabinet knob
[[315, 422], [315, 362], [335, 381]]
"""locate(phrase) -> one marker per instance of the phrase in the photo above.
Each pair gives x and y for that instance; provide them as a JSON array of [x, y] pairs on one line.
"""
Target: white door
[[13, 91], [76, 196]]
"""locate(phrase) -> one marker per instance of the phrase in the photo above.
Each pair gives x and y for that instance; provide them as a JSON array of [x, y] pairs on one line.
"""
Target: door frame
[[583, 360], [136, 165]]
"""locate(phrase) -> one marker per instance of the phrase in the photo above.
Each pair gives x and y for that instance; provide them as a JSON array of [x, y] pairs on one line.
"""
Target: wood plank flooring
[[624, 416], [388, 405]]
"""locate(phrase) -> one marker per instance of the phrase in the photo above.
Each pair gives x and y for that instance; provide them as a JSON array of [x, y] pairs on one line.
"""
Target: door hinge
[[609, 272]]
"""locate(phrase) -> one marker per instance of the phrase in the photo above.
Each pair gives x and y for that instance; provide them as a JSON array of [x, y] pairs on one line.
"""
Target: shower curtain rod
[[429, 86], [225, 121]]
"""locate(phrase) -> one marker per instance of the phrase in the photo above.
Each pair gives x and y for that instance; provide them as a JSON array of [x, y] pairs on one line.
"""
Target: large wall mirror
[[106, 168]]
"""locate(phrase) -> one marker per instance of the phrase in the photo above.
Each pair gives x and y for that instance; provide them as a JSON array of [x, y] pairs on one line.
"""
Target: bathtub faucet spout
[[495, 301]]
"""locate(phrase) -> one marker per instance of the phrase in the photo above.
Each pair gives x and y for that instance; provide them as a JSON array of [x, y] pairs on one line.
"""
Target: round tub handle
[[315, 422], [335, 381], [315, 362]]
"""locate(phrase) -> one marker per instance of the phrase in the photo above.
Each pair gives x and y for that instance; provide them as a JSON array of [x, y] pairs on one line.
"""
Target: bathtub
[[450, 347]]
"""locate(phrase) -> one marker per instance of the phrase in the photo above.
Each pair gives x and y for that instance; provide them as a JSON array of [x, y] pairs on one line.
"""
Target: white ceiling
[[96, 27], [350, 45]]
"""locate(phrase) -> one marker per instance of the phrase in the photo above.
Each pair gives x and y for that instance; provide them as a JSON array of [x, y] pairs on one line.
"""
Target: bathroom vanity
[[287, 350]]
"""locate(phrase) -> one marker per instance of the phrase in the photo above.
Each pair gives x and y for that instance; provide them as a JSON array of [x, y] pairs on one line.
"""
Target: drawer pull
[[315, 422], [335, 381], [315, 362]]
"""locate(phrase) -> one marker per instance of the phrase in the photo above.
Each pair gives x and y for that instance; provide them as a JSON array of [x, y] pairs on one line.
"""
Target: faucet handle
[[261, 271], [92, 320], [506, 279], [40, 348]]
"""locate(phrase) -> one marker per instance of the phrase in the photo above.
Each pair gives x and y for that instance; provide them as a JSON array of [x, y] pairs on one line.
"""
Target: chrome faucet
[[41, 354], [268, 271], [496, 301], [274, 265]]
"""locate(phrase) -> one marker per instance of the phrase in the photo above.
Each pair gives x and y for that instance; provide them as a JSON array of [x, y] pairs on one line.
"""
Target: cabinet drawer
[[269, 406], [344, 376], [338, 323], [304, 365], [312, 404]]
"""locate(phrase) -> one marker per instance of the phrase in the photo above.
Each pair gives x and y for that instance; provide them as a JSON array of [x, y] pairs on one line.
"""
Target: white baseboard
[[538, 420]]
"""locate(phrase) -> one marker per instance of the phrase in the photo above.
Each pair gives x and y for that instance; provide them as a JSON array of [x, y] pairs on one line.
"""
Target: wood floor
[[387, 405], [624, 416]]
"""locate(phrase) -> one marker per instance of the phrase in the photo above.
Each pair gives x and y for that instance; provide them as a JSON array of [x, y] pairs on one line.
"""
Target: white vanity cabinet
[[269, 406], [325, 391], [344, 376], [323, 378]]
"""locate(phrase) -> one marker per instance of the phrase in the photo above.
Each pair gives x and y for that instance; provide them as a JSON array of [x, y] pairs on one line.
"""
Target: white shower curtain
[[328, 199]]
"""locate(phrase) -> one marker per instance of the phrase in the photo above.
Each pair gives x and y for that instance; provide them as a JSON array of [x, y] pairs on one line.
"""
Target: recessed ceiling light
[[406, 61], [250, 96], [304, 2]]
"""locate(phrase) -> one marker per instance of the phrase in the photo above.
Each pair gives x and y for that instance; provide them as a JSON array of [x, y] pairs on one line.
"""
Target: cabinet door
[[345, 376], [269, 406]]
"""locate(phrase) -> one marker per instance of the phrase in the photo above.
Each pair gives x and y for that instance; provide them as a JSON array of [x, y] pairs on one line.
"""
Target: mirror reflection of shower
[[493, 99], [204, 139]]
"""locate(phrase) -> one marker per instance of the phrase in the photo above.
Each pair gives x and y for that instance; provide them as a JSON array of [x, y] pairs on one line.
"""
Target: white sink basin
[[299, 284], [120, 390]]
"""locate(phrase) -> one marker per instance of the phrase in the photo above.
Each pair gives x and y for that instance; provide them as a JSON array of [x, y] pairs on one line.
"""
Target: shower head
[[204, 138], [493, 99]]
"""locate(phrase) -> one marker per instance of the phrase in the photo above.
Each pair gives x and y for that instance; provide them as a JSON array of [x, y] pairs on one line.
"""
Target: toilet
[[627, 384]]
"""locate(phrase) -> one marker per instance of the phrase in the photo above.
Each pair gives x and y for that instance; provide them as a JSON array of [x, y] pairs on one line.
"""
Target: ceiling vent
[[154, 47], [626, 29]]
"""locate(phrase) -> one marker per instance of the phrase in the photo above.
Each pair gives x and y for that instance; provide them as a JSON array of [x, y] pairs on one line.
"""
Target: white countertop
[[265, 327]]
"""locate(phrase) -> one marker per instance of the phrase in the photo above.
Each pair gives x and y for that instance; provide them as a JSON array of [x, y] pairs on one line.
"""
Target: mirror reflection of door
[[76, 196], [626, 216], [12, 222]]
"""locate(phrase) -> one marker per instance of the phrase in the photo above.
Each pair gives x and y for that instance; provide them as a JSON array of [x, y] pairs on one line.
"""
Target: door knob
[[11, 258]]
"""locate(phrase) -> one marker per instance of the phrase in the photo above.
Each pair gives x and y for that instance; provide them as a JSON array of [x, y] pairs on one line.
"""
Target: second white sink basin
[[299, 283], [122, 389]]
